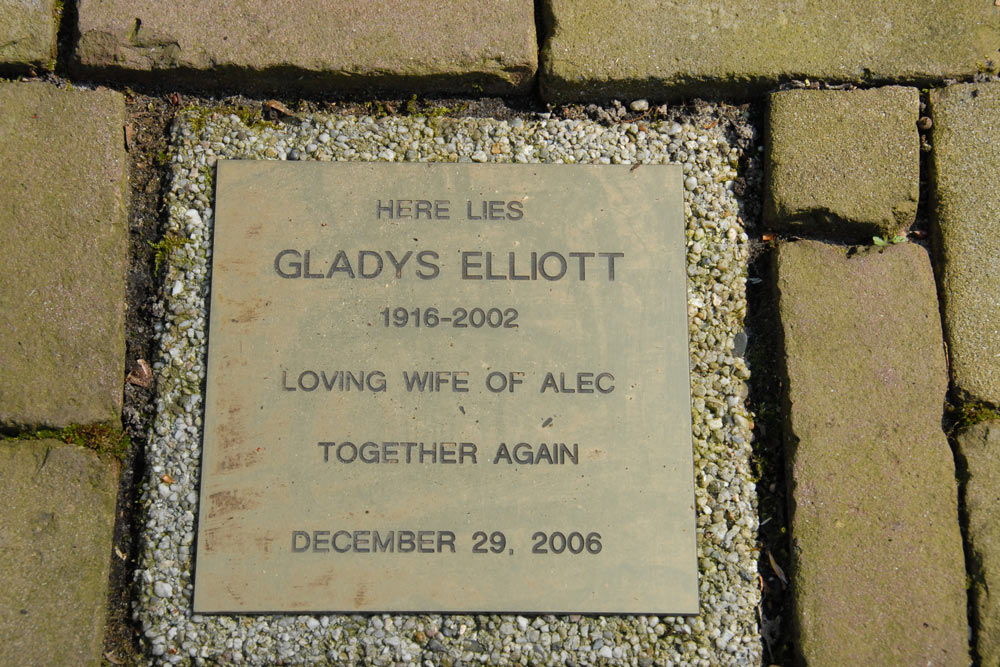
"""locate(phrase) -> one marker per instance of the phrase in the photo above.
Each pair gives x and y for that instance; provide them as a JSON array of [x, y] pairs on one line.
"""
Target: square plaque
[[449, 388]]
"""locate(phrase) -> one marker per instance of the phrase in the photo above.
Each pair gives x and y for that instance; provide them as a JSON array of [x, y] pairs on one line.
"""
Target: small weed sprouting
[[883, 241], [412, 108]]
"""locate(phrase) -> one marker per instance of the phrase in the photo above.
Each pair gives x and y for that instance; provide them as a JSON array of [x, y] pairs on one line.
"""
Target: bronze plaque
[[447, 387]]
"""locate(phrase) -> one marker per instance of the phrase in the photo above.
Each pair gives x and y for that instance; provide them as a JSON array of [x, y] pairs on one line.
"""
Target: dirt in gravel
[[146, 138], [763, 355]]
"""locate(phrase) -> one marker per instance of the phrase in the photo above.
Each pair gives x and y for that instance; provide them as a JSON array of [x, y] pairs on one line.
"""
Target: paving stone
[[27, 34], [965, 176], [878, 571], [466, 46], [63, 232], [55, 552], [979, 457], [636, 48], [843, 163]]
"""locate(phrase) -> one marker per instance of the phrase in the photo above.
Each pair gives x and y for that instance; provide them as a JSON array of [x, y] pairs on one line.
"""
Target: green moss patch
[[252, 117], [165, 248], [973, 412], [104, 439]]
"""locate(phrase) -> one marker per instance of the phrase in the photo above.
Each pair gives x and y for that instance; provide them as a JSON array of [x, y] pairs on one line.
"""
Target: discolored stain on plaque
[[231, 433], [360, 597], [234, 594], [231, 502], [263, 543], [249, 310], [321, 581], [234, 462], [447, 388], [211, 538]]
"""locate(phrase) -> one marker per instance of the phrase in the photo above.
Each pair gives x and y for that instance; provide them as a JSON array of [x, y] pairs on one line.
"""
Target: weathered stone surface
[[843, 163], [27, 34], [59, 508], [63, 232], [463, 46], [965, 176], [878, 567], [668, 50], [979, 455]]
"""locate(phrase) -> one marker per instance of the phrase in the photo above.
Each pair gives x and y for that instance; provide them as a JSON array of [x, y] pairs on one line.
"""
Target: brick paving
[[978, 449], [59, 512], [27, 35], [692, 48], [485, 47], [874, 518], [843, 164], [965, 177], [63, 230]]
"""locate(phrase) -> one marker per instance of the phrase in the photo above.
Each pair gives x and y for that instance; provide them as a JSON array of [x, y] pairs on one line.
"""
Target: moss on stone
[[439, 111], [165, 248], [252, 117], [105, 439], [971, 413]]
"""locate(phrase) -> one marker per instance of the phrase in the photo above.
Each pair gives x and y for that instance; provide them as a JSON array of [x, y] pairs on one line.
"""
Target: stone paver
[[693, 48], [55, 551], [878, 572], [485, 46], [27, 34], [843, 163], [965, 175], [979, 452], [63, 232]]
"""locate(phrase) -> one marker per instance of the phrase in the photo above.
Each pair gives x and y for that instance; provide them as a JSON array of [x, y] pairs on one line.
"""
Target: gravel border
[[709, 142]]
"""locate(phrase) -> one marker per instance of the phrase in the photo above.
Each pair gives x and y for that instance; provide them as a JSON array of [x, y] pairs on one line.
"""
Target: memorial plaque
[[450, 388]]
